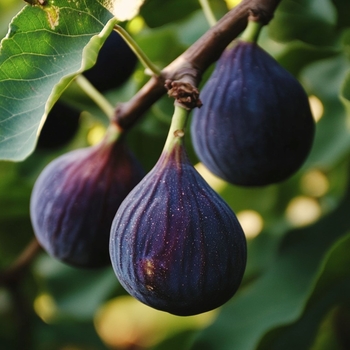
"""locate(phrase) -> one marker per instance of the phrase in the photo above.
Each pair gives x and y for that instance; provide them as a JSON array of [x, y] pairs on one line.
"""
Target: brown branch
[[21, 310], [14, 272], [190, 66], [11, 279]]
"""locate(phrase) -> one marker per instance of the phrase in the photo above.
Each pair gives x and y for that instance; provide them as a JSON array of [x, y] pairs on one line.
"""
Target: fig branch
[[190, 66], [13, 273]]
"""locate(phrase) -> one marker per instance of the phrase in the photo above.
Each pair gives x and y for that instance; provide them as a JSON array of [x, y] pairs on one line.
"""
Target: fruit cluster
[[173, 242]]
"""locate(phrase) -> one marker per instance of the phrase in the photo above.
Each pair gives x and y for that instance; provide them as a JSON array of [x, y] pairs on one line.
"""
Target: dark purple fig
[[114, 66], [60, 127], [255, 127], [175, 244], [75, 198]]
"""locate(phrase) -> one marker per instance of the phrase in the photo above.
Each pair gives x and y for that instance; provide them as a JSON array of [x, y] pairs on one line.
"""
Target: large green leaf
[[42, 52], [77, 293], [159, 12], [323, 79], [280, 295], [345, 90], [331, 288], [311, 21]]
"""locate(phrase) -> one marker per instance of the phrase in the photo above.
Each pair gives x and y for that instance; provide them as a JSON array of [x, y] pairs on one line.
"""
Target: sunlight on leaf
[[123, 10], [280, 295], [67, 39]]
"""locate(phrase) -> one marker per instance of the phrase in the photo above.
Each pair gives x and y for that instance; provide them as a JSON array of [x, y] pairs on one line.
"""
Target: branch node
[[258, 14], [185, 94]]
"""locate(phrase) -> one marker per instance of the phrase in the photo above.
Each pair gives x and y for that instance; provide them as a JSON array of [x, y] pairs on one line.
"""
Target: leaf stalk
[[146, 62], [208, 12], [95, 95]]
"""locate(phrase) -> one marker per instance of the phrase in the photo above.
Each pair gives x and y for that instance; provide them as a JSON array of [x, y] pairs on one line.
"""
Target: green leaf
[[158, 12], [324, 79], [15, 227], [345, 88], [345, 92], [42, 52], [77, 293], [179, 341], [311, 21], [343, 12], [67, 334], [331, 287], [279, 296], [299, 54]]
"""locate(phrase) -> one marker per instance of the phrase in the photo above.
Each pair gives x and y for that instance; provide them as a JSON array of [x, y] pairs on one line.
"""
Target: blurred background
[[296, 289]]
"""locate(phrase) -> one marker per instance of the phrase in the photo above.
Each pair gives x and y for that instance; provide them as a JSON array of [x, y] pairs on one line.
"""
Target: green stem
[[251, 33], [146, 62], [208, 12], [113, 133], [177, 128], [95, 95]]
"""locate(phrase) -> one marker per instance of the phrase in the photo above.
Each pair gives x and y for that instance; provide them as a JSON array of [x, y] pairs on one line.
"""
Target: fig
[[255, 127], [175, 244], [75, 198], [60, 127], [115, 64]]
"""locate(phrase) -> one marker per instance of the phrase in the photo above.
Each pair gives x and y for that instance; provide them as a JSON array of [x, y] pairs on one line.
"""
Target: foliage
[[295, 293]]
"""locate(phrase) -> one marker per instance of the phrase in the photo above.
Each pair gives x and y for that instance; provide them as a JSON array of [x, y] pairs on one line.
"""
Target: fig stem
[[177, 128], [208, 12], [95, 95], [252, 31], [146, 62], [113, 133]]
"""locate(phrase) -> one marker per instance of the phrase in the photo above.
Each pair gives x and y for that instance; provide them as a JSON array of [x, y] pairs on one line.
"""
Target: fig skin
[[75, 198], [60, 127], [114, 66], [255, 127], [175, 244]]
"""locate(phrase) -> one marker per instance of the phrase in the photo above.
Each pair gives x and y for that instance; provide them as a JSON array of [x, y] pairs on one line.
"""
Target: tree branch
[[14, 272], [190, 66]]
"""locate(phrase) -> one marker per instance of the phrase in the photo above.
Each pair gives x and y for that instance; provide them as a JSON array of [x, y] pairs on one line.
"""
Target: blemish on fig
[[150, 288], [148, 267]]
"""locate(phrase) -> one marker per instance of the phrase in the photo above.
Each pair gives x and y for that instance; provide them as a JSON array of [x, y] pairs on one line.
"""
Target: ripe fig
[[75, 198], [60, 127], [115, 64], [255, 127], [175, 244]]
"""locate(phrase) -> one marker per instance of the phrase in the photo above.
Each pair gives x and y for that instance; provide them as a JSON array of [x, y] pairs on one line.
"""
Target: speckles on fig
[[149, 287], [148, 267], [175, 265]]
